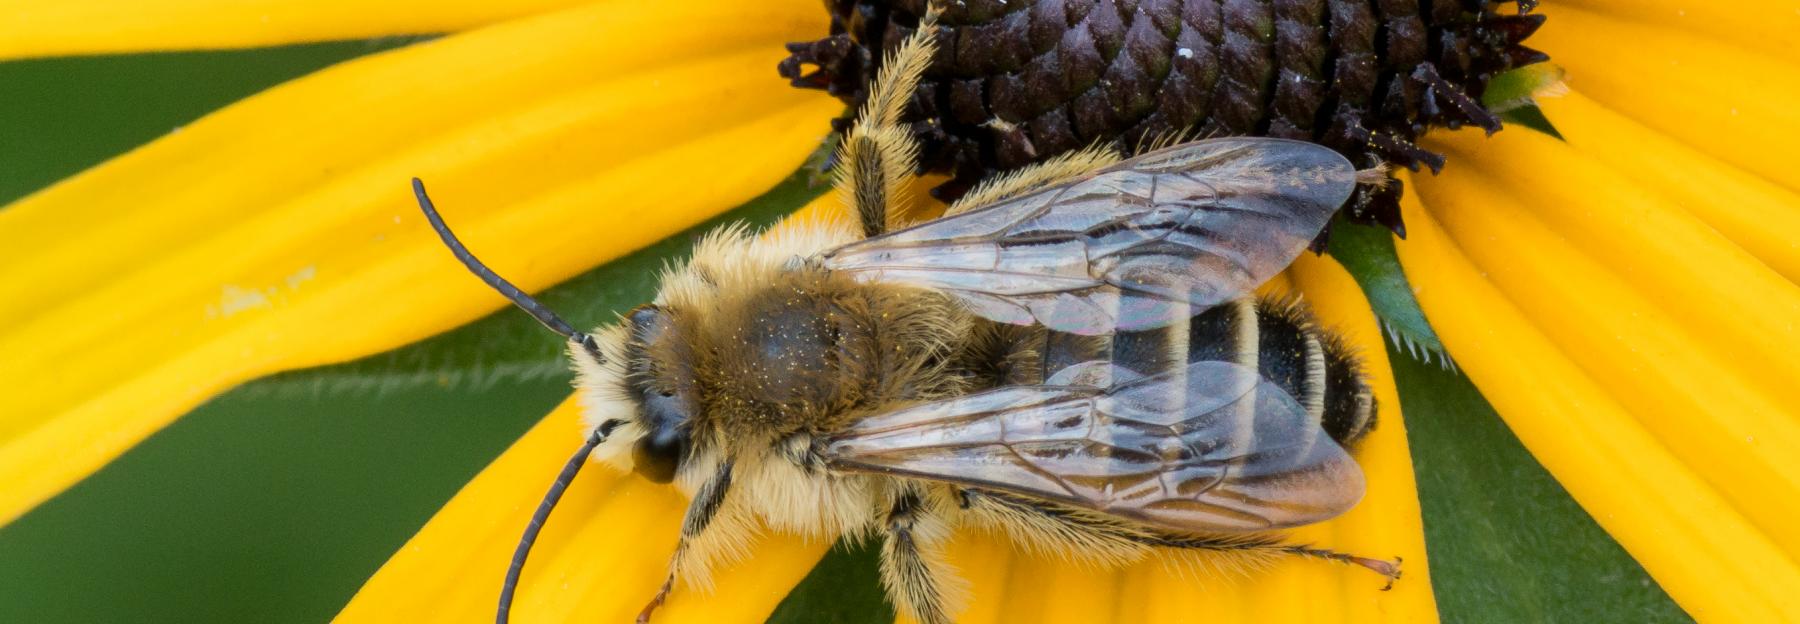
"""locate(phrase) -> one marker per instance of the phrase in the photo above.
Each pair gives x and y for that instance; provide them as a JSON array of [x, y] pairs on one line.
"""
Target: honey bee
[[1073, 356]]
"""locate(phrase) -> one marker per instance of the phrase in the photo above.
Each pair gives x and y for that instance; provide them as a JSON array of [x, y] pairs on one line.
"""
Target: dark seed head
[[1018, 81]]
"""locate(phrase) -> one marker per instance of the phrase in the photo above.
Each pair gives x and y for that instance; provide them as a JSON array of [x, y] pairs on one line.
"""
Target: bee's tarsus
[[662, 594], [506, 289], [1388, 569]]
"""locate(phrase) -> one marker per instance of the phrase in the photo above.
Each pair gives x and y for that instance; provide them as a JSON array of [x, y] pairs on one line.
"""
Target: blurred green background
[[274, 502]]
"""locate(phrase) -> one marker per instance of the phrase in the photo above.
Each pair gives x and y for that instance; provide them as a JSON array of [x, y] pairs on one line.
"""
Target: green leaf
[[1507, 544], [1367, 252], [845, 588]]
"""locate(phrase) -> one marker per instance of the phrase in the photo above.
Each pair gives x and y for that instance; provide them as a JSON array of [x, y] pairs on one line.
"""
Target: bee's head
[[659, 382], [641, 383]]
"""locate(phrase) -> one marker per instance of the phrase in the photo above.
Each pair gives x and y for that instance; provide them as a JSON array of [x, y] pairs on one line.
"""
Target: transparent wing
[[1213, 448], [1133, 246]]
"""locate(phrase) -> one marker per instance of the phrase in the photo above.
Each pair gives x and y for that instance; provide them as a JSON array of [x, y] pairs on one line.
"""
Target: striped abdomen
[[1278, 337]]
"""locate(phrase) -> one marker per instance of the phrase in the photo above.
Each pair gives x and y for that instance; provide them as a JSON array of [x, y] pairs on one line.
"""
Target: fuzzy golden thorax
[[805, 350]]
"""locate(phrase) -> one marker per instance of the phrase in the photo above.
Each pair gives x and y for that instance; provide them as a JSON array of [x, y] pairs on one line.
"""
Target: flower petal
[[1724, 301], [1688, 332], [1569, 407], [1725, 101], [31, 28], [600, 557], [1767, 26], [279, 233], [1007, 586], [1762, 218]]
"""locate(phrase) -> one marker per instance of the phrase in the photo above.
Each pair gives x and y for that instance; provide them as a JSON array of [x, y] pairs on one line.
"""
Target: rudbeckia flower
[[1621, 292]]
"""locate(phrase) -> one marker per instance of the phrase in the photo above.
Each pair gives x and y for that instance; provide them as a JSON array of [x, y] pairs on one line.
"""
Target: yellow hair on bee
[[1050, 172], [876, 158], [600, 388]]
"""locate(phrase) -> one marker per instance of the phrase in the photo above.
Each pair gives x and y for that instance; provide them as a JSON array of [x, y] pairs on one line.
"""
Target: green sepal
[[1368, 253]]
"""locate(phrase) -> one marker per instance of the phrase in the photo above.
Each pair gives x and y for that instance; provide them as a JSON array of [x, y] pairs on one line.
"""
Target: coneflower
[[1015, 82]]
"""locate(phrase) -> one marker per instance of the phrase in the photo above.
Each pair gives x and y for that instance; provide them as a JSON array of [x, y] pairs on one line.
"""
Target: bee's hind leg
[[878, 153], [700, 514], [1096, 534], [1256, 546], [911, 567], [1389, 569]]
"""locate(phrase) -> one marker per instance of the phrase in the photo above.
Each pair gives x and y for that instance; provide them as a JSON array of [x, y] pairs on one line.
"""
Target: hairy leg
[[911, 567], [700, 514], [878, 154], [1095, 534]]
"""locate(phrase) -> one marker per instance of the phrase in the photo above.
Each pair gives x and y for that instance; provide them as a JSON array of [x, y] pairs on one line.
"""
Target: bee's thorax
[[809, 349]]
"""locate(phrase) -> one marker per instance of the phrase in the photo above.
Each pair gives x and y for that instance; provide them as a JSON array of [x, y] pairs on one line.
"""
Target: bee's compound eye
[[658, 454]]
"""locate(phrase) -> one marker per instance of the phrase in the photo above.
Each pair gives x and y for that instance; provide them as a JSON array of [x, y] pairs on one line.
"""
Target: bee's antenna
[[543, 514], [493, 280]]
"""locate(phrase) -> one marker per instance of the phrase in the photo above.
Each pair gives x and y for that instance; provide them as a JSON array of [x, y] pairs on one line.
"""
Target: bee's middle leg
[[910, 567], [700, 514]]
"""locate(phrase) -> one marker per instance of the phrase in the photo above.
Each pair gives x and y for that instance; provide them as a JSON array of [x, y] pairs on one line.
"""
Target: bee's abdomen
[[1277, 337]]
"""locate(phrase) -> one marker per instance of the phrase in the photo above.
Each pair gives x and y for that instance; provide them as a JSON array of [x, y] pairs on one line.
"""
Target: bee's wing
[[1214, 448], [1133, 246]]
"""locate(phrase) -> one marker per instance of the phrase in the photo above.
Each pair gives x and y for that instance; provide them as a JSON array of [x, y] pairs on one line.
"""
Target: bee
[[1073, 356]]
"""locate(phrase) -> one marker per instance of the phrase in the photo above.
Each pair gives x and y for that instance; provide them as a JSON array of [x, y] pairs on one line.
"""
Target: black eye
[[659, 453]]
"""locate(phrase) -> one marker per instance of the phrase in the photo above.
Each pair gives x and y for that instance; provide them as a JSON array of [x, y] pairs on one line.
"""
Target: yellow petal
[[1768, 26], [30, 28], [1731, 305], [1760, 217], [1725, 101], [279, 232], [1008, 587], [1714, 561], [599, 559], [1694, 336]]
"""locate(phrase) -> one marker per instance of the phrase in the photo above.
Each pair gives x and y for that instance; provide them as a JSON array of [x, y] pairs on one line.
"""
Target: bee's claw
[[1393, 572], [656, 601]]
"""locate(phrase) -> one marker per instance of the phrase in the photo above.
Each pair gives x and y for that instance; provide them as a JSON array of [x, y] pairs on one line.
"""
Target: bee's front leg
[[700, 514], [911, 564]]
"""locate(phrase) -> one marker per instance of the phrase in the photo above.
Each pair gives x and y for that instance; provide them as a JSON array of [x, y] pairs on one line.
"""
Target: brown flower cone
[[1018, 81]]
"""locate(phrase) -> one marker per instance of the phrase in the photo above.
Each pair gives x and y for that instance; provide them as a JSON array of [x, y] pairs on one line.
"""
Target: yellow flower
[[1625, 299]]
